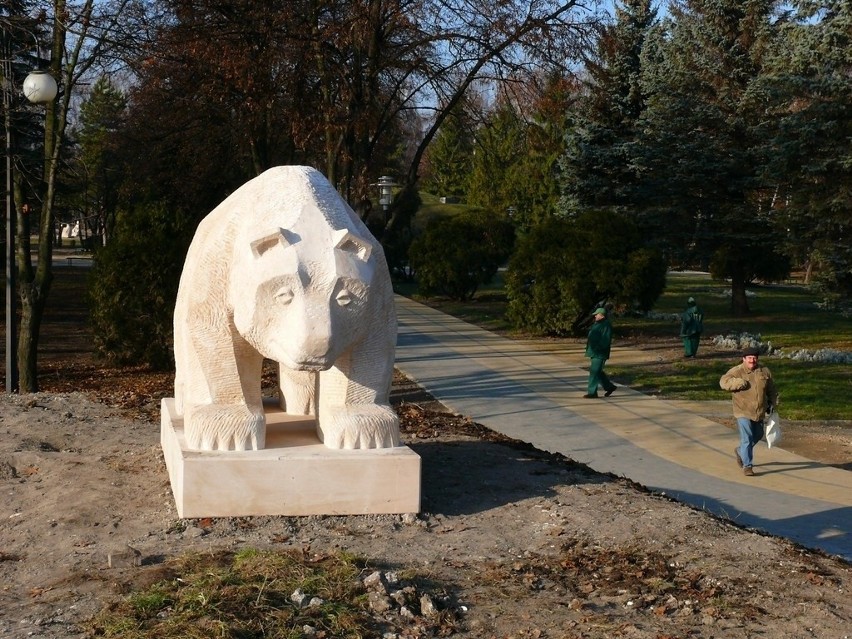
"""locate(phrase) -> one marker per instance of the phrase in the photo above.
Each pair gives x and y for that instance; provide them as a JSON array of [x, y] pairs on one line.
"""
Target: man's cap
[[751, 350], [600, 311], [691, 300]]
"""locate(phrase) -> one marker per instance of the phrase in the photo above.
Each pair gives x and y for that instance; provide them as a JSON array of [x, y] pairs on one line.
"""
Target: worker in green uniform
[[691, 327], [597, 350]]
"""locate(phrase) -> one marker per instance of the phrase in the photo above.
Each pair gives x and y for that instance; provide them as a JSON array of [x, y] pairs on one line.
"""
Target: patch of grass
[[487, 309], [786, 315], [693, 381], [246, 594], [149, 602], [807, 390], [432, 208]]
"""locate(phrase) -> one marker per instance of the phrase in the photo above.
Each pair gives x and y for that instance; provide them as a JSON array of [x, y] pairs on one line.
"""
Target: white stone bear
[[284, 269]]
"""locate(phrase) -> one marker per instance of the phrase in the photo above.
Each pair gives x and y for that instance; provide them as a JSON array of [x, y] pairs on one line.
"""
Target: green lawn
[[787, 316], [431, 208]]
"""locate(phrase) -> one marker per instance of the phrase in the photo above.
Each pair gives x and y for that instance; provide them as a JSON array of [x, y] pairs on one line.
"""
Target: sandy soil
[[512, 542]]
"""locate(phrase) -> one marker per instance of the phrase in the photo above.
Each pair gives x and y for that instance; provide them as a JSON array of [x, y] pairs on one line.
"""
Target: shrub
[[645, 279], [456, 255], [833, 276], [133, 286], [565, 267], [756, 263], [396, 240]]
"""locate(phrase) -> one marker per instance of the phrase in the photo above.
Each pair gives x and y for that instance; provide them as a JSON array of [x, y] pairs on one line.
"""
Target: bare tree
[[337, 83], [81, 36], [387, 58]]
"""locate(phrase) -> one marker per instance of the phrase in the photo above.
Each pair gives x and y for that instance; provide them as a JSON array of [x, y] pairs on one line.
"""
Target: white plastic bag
[[773, 429]]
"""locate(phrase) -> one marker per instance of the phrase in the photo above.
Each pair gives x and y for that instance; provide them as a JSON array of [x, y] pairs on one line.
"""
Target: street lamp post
[[39, 87]]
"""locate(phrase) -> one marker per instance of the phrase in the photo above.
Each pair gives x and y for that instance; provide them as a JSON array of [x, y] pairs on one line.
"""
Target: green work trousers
[[598, 377], [690, 345]]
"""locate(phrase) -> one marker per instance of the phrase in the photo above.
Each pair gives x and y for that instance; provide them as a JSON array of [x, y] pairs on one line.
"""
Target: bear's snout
[[309, 348]]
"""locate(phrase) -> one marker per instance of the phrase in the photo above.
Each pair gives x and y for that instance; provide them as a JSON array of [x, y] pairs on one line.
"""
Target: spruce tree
[[517, 151], [699, 157], [596, 170], [808, 158], [450, 156], [499, 145], [99, 163]]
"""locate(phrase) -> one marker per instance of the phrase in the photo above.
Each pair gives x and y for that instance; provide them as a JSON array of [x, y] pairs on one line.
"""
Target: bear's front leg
[[224, 427]]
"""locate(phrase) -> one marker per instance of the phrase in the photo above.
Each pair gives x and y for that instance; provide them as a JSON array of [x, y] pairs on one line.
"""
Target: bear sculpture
[[284, 269]]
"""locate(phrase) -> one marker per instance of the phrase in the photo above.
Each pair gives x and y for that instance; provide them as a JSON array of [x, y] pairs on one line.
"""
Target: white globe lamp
[[40, 87]]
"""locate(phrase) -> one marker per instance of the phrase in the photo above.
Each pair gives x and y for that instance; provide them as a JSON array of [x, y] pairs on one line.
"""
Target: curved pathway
[[536, 396]]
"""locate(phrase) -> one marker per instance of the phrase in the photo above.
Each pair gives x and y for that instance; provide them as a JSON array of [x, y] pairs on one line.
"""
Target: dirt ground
[[511, 541]]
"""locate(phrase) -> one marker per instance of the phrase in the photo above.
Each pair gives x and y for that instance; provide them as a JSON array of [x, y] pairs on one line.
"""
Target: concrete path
[[536, 396]]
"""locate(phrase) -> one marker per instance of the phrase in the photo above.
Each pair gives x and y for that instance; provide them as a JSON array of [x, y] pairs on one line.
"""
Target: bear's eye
[[344, 297], [284, 295]]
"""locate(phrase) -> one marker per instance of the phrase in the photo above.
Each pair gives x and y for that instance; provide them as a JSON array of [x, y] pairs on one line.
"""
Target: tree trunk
[[28, 292], [34, 284], [33, 298], [739, 301]]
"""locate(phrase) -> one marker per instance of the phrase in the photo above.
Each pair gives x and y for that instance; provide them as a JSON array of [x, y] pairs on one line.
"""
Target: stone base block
[[294, 475]]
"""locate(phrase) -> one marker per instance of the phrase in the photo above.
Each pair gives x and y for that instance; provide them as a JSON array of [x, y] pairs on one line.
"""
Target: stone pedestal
[[294, 475]]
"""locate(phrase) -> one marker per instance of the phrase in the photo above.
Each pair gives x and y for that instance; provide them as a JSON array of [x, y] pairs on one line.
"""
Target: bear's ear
[[277, 237], [352, 244]]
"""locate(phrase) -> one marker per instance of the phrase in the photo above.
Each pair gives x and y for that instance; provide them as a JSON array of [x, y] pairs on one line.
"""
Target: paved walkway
[[536, 396]]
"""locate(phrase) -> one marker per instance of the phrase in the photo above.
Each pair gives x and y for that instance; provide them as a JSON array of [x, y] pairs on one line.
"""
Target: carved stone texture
[[284, 269]]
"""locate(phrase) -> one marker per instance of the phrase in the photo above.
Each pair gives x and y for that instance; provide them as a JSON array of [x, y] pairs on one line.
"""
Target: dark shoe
[[610, 392], [739, 461], [748, 472], [595, 396]]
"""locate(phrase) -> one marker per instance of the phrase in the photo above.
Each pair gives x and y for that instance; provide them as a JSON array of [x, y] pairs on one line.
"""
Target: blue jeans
[[751, 432], [597, 376]]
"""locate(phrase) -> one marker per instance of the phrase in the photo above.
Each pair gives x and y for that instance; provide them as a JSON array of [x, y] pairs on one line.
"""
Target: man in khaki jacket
[[754, 394]]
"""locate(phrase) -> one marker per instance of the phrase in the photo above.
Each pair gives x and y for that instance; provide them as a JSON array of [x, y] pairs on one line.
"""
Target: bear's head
[[300, 295]]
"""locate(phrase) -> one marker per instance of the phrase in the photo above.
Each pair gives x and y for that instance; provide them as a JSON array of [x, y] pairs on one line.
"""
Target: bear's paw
[[224, 427], [358, 427]]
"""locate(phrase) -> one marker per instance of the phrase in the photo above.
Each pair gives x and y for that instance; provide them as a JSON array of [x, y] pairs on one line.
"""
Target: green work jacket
[[600, 338], [691, 322]]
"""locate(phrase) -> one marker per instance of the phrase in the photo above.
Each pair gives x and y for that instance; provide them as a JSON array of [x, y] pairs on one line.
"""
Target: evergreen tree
[[456, 255], [566, 266], [517, 152], [596, 167], [450, 156], [698, 157], [134, 283], [500, 143], [99, 161], [808, 157]]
